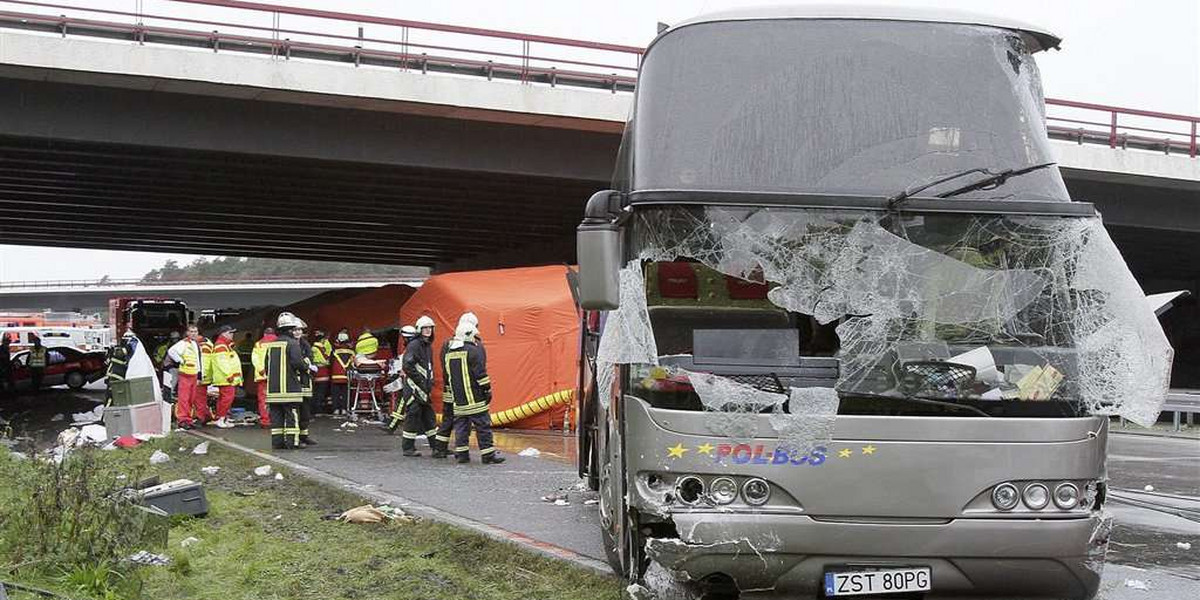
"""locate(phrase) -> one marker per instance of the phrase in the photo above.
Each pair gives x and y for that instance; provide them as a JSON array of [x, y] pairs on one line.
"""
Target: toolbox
[[179, 497], [128, 420], [130, 392]]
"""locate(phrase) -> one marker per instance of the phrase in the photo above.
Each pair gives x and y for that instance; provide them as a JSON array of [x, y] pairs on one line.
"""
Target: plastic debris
[[150, 559], [277, 517], [1149, 488], [126, 441], [530, 452], [279, 476], [591, 501], [348, 425], [263, 471], [188, 542], [93, 435], [210, 470], [562, 502], [370, 514], [201, 448], [556, 496], [1183, 545], [1137, 584], [159, 457], [88, 416], [58, 417], [19, 455]]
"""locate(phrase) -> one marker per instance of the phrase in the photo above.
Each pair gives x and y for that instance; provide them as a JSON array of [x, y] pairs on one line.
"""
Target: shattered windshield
[[839, 107], [776, 310]]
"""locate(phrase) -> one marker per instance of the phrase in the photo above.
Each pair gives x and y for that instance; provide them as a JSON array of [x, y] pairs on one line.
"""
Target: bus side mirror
[[598, 248]]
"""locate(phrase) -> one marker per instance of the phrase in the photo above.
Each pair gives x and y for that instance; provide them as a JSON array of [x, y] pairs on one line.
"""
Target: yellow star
[[705, 448], [676, 452], [845, 453], [868, 449]]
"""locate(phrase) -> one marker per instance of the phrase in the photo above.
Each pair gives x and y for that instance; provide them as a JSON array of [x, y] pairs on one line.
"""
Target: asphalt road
[[1143, 549]]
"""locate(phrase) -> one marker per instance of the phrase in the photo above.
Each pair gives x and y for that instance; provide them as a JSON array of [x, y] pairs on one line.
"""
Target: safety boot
[[411, 453], [492, 459], [439, 453], [464, 459]]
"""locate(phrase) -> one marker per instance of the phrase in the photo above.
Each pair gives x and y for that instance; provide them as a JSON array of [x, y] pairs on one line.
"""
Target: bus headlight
[[756, 491], [1005, 496], [1066, 496], [690, 490], [723, 490], [1036, 496]]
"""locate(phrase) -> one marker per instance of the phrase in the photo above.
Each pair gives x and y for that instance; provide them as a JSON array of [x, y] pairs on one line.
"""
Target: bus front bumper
[[774, 554]]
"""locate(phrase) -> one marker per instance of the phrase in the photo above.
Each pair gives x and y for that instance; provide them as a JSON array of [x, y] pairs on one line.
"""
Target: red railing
[[528, 58]]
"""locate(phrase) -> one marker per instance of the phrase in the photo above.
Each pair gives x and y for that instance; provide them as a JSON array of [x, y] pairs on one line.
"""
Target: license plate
[[878, 581]]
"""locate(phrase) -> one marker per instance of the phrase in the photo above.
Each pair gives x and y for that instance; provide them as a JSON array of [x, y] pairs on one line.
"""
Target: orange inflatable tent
[[373, 308], [530, 326]]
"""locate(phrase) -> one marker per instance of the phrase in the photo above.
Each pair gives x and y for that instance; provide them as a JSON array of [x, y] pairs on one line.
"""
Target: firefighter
[[419, 417], [288, 373], [191, 404], [447, 424], [322, 352], [258, 359], [470, 389], [160, 353], [407, 334], [340, 363], [307, 390], [118, 364], [226, 372]]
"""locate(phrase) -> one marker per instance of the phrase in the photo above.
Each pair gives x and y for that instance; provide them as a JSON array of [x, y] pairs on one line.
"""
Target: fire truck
[[151, 319]]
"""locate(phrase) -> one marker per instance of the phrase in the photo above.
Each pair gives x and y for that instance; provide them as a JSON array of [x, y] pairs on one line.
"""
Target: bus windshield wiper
[[918, 400], [993, 180]]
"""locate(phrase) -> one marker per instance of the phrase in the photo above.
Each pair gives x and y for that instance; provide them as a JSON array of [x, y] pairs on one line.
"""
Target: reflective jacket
[[189, 356], [226, 365], [287, 370], [118, 364], [322, 353], [418, 369], [307, 351], [160, 353], [258, 356], [367, 344], [206, 372], [467, 383], [37, 358], [343, 357]]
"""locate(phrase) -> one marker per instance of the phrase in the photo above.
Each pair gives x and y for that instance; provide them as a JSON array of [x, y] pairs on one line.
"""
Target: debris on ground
[[201, 448], [1183, 545], [347, 426], [324, 457], [19, 455], [591, 501], [150, 559], [159, 457], [1137, 584], [370, 514], [93, 435], [1149, 488], [279, 476], [188, 542], [88, 416], [58, 417], [263, 471], [562, 502], [210, 470], [126, 441], [530, 452], [277, 517], [555, 497]]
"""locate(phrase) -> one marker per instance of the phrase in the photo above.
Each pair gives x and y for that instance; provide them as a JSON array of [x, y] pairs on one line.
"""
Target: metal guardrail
[[136, 283], [1182, 402], [495, 54]]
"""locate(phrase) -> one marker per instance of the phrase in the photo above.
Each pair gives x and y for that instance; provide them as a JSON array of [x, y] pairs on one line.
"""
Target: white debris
[[189, 541], [210, 470], [183, 448], [1149, 488], [591, 501], [1137, 584], [201, 448], [93, 435], [263, 471], [88, 416], [159, 457], [19, 455], [58, 417], [279, 476], [150, 559], [562, 502], [1183, 545], [530, 452], [277, 517]]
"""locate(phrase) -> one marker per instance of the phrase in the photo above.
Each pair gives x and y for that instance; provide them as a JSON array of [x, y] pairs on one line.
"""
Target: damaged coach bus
[[847, 332]]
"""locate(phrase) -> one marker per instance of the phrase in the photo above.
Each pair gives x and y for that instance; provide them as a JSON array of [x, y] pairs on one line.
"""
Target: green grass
[[245, 551]]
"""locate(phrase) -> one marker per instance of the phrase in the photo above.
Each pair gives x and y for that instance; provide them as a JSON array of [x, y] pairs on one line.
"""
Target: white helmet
[[465, 331], [469, 317], [423, 322], [408, 332], [287, 319]]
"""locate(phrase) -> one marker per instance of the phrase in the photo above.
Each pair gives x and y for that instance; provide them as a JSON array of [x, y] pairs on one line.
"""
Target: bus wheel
[[76, 380]]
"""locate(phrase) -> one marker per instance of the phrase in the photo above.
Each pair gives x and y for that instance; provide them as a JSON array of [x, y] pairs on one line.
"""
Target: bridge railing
[[198, 281], [292, 32]]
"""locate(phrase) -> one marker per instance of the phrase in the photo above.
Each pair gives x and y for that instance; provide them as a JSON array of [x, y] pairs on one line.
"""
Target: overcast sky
[[1120, 52]]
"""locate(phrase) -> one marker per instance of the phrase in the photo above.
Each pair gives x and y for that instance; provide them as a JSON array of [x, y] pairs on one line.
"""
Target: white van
[[82, 338]]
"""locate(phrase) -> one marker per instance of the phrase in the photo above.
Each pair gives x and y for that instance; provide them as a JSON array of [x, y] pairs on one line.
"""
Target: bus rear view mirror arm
[[598, 247]]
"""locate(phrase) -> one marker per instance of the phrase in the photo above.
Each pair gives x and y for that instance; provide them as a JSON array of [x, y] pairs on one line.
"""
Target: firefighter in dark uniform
[[419, 417], [407, 333], [470, 389], [307, 390], [341, 361], [447, 425], [288, 374], [118, 364]]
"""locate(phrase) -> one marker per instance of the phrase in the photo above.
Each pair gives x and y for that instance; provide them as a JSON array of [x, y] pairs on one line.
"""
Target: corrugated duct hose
[[529, 409]]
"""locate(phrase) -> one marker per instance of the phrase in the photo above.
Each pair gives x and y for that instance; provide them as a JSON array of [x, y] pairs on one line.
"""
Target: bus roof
[[1043, 38]]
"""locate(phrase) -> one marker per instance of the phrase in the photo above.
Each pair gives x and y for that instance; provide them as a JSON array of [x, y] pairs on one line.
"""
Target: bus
[[845, 330]]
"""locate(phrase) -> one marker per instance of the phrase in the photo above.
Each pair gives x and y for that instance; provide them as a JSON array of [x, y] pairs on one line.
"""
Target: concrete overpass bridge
[[93, 295], [260, 130]]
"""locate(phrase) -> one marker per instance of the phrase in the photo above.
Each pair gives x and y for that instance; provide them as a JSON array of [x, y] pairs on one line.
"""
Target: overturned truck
[[847, 333]]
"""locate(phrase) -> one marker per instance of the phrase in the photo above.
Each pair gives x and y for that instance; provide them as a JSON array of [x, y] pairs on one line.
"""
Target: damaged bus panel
[[846, 331]]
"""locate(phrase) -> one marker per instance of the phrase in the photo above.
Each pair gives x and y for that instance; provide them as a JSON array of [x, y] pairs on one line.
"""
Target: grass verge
[[266, 539]]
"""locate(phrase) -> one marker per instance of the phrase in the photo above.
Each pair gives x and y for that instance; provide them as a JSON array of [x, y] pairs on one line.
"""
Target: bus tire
[[76, 380]]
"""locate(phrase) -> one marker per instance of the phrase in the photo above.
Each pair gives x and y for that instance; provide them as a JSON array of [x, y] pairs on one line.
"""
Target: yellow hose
[[529, 409]]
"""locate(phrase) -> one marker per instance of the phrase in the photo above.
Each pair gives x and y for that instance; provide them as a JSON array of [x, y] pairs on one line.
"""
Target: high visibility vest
[[226, 366], [367, 344], [258, 358], [322, 351], [342, 359], [37, 358], [160, 353], [283, 381], [191, 358], [206, 368]]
